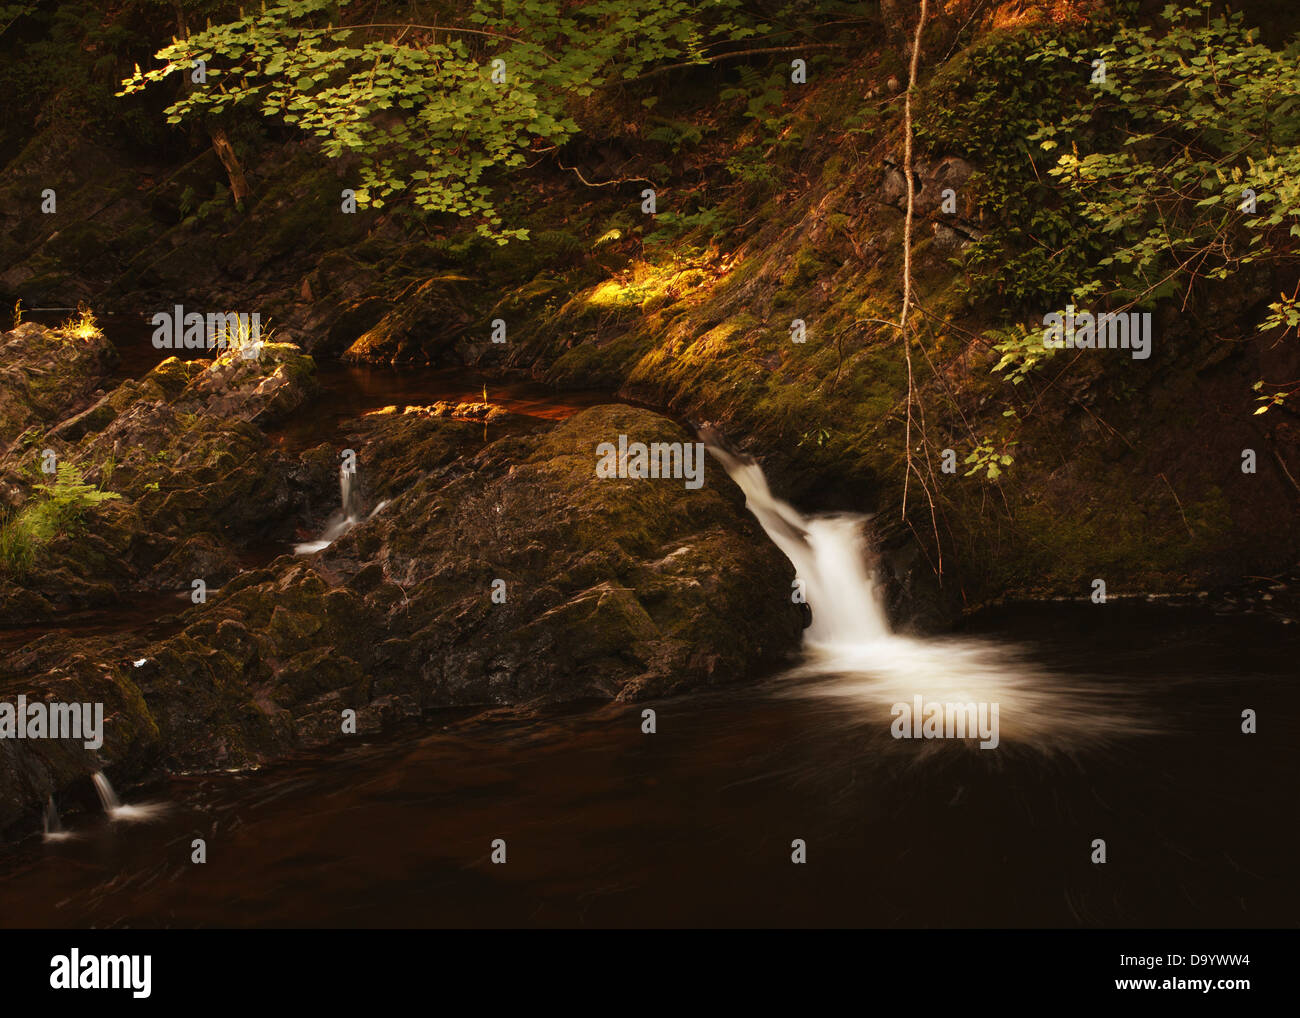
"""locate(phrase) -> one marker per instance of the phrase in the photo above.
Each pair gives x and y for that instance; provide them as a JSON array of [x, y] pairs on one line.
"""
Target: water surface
[[606, 826]]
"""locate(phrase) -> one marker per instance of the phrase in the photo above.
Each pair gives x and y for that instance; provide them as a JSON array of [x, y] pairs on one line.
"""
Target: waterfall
[[828, 553], [53, 827], [117, 810], [348, 495], [107, 798], [852, 650], [347, 516]]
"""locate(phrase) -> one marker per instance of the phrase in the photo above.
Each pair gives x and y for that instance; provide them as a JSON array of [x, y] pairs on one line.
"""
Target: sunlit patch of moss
[[610, 293], [652, 285]]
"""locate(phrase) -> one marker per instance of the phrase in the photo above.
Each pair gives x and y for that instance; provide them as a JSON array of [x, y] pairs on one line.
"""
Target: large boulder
[[605, 588], [46, 373]]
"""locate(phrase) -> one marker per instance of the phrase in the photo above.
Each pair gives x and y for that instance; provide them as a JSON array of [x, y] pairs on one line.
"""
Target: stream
[[1120, 722]]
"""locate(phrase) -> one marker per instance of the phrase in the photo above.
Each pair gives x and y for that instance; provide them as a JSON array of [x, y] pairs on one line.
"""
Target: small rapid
[[851, 648], [343, 519], [117, 810]]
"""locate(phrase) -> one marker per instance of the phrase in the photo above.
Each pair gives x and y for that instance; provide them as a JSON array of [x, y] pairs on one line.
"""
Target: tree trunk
[[220, 140], [226, 153]]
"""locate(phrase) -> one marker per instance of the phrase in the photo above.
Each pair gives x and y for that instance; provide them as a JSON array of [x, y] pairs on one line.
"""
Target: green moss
[[80, 246], [589, 365], [301, 211], [808, 266]]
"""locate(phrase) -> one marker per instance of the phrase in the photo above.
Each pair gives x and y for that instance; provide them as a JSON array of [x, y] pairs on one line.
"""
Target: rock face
[[46, 372], [499, 574], [183, 451], [604, 588]]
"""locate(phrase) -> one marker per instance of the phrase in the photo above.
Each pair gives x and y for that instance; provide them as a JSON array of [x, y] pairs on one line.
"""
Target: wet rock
[[463, 411], [46, 373], [616, 588], [930, 180], [56, 669], [182, 451], [611, 588], [421, 327], [260, 390]]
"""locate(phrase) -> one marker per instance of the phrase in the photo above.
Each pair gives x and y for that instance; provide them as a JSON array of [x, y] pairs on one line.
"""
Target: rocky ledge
[[506, 573]]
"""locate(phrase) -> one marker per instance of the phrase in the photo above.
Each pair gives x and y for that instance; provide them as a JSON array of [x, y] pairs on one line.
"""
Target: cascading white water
[[115, 809], [53, 826], [347, 516], [851, 645], [107, 797], [828, 553], [348, 494]]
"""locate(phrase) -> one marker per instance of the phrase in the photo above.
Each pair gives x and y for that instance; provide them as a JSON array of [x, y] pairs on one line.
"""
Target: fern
[[60, 510]]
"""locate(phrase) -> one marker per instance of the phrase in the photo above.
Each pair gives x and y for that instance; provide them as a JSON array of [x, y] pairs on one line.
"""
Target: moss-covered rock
[[420, 328], [46, 373], [610, 588], [183, 452]]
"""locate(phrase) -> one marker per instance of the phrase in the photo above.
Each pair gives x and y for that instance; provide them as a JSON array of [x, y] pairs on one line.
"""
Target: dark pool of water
[[606, 826]]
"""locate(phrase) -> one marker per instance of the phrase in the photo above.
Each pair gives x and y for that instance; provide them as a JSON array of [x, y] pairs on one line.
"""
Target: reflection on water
[[692, 825], [348, 391]]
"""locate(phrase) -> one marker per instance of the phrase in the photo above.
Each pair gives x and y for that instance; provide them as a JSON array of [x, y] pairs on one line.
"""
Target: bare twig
[[604, 183], [1282, 463], [911, 467], [907, 244], [1179, 502]]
